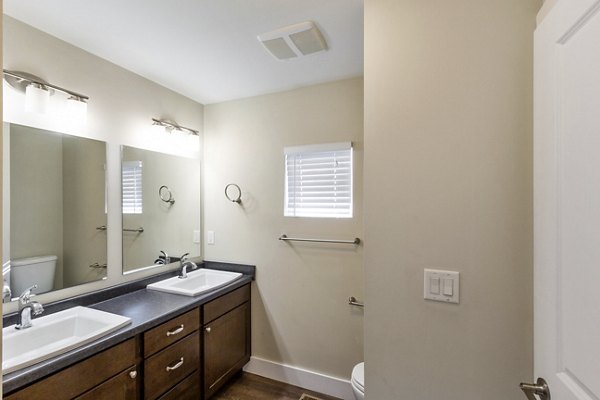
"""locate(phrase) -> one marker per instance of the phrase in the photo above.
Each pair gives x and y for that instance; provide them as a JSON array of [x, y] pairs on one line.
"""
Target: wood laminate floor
[[253, 387]]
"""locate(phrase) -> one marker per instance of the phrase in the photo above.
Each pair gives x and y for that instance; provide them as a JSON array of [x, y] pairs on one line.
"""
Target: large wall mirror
[[161, 207], [54, 211]]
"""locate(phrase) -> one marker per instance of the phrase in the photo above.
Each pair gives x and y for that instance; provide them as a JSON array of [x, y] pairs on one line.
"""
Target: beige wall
[[448, 108], [84, 187], [36, 196], [119, 112], [300, 314]]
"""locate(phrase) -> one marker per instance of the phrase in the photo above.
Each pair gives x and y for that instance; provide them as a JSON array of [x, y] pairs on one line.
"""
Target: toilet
[[26, 272], [358, 381]]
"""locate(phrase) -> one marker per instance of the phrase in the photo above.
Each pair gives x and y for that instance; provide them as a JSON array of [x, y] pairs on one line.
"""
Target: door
[[567, 200]]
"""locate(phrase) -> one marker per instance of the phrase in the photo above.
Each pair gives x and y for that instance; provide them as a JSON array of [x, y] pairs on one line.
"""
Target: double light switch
[[441, 285]]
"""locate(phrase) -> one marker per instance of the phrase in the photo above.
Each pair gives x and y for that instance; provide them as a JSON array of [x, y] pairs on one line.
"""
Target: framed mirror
[[160, 206], [54, 210]]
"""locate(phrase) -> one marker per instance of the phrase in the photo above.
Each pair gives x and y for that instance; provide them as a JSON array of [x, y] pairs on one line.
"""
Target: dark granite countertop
[[146, 308]]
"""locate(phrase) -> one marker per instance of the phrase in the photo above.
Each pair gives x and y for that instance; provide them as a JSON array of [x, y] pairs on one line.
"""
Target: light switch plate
[[441, 285], [196, 236], [210, 237]]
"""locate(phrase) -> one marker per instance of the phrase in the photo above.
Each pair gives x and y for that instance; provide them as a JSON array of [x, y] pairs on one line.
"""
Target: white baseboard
[[304, 378]]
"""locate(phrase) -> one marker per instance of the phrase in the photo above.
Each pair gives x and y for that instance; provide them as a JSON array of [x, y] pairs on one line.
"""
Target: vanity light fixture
[[38, 91], [172, 127]]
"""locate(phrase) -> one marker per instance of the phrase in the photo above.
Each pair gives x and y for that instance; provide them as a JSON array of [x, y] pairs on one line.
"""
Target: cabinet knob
[[133, 374], [207, 329]]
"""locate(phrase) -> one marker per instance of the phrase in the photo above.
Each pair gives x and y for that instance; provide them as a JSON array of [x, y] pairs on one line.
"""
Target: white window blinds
[[132, 187], [318, 181]]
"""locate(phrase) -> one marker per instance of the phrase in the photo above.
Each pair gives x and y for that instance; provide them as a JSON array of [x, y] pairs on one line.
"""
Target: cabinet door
[[120, 387], [226, 347]]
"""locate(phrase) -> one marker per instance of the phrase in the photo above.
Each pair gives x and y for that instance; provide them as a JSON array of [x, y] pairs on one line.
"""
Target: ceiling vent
[[294, 41]]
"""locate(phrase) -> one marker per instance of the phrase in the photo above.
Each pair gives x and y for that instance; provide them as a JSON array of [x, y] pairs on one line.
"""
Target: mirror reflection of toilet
[[358, 381], [26, 272]]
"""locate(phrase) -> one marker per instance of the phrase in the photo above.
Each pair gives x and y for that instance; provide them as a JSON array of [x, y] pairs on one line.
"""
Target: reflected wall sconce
[[38, 91]]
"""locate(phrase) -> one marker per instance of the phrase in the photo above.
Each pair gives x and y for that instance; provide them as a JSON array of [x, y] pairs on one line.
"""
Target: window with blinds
[[318, 181], [132, 187]]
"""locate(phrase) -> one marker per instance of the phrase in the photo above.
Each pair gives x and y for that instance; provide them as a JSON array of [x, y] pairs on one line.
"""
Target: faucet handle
[[166, 257], [26, 295], [184, 257]]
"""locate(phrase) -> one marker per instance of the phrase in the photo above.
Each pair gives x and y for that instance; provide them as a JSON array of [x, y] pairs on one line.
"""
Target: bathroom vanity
[[176, 347]]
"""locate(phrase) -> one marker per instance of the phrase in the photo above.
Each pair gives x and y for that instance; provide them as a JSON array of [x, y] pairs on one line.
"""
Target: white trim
[[303, 378], [318, 147]]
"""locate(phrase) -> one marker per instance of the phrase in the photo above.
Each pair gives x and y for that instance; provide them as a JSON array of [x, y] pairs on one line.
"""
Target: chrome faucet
[[27, 308], [163, 259], [166, 257], [185, 263]]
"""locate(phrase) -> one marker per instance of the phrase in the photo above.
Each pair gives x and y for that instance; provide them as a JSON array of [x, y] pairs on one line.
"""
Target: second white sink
[[55, 334], [196, 283]]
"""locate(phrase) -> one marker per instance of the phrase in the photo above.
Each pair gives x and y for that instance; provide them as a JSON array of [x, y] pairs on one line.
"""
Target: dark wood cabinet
[[226, 338], [170, 332], [188, 389], [172, 363], [186, 358], [170, 366], [120, 387], [118, 362]]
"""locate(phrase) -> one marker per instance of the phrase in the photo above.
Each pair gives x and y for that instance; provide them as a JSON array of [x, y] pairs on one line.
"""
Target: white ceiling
[[205, 49]]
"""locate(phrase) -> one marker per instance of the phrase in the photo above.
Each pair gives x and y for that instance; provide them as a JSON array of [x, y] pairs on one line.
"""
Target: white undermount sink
[[55, 334], [196, 283]]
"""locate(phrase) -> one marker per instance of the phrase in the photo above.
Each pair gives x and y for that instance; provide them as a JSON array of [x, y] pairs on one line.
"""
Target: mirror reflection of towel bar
[[353, 302], [286, 238], [98, 266], [139, 230]]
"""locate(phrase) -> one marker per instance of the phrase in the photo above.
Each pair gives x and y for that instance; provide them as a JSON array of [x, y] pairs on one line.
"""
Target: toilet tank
[[26, 272]]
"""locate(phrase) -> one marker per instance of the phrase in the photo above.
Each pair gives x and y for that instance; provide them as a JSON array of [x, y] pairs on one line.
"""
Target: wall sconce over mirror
[[38, 92], [187, 136]]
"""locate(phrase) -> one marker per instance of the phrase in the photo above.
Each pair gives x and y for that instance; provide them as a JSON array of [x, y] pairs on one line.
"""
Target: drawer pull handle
[[174, 367], [208, 329], [133, 374], [175, 331]]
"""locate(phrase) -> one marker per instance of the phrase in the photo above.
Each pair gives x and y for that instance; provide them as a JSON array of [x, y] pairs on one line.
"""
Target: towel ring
[[165, 194], [234, 199]]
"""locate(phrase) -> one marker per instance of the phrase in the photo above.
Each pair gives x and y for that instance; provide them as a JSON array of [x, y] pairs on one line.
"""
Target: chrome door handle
[[539, 388], [174, 367]]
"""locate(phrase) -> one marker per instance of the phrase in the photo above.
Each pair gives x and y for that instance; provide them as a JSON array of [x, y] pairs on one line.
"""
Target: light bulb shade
[[36, 99], [76, 110], [158, 129]]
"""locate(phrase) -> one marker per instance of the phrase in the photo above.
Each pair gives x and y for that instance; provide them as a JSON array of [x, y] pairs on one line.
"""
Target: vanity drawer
[[171, 331], [169, 366], [83, 376], [225, 303], [188, 389]]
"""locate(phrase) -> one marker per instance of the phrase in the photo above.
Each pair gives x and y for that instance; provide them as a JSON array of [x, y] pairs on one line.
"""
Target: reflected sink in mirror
[[55, 334], [196, 283]]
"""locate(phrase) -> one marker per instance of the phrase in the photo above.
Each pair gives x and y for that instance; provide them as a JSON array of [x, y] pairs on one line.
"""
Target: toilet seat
[[358, 377]]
